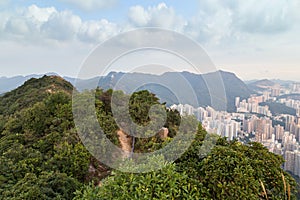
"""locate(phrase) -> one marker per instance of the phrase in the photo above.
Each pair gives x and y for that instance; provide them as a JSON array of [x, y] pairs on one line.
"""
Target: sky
[[255, 39]]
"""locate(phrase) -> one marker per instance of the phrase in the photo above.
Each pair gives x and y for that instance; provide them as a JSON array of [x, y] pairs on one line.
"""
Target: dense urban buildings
[[280, 133]]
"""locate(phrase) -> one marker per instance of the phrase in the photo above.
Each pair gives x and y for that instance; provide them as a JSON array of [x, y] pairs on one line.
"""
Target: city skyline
[[255, 40], [278, 132]]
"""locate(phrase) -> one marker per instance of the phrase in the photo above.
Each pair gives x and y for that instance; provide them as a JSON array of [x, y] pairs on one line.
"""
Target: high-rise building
[[237, 101], [289, 161], [275, 92], [279, 131], [297, 163]]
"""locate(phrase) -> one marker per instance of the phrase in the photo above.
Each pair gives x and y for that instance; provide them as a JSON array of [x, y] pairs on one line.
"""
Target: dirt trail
[[125, 142]]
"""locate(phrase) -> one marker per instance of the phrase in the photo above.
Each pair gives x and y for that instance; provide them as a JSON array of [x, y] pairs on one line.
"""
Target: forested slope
[[42, 156]]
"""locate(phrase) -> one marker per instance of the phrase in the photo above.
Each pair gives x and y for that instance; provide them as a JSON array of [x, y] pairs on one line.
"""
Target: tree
[[233, 170], [49, 185], [166, 183]]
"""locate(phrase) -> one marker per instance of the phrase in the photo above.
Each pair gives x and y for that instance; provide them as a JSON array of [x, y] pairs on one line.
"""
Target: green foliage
[[173, 121], [228, 175], [87, 192], [233, 170], [49, 185], [71, 159], [3, 121], [35, 120], [140, 104], [40, 136], [105, 116], [31, 92], [229, 170], [42, 157], [166, 183], [191, 159]]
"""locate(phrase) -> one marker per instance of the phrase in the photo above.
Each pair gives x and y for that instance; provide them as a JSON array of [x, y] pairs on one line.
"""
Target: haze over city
[[255, 40]]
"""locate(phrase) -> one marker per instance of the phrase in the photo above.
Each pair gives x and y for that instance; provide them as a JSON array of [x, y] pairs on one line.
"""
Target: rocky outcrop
[[163, 133]]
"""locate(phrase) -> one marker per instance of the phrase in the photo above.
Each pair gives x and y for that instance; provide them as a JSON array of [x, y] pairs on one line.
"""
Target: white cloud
[[138, 16], [156, 16], [89, 5], [97, 31], [24, 23], [39, 25], [270, 16], [231, 31], [217, 22], [39, 14], [230, 22], [210, 27], [18, 26], [61, 26], [262, 17]]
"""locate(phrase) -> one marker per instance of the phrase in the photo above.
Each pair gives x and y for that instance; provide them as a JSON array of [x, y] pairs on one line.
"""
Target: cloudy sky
[[254, 39]]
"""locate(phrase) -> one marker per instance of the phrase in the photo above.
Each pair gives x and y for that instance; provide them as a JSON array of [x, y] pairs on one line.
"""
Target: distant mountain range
[[9, 83], [276, 81], [213, 89], [261, 85]]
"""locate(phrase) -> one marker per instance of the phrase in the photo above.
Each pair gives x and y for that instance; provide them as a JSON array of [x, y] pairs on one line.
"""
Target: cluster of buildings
[[295, 88], [281, 138], [219, 122], [253, 122], [251, 105], [291, 103]]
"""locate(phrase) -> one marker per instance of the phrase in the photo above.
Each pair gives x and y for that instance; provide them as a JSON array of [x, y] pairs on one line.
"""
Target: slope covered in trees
[[42, 157], [32, 91], [230, 171]]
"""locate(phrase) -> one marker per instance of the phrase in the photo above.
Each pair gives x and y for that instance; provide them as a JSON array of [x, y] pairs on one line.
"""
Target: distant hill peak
[[264, 83], [54, 82], [32, 91]]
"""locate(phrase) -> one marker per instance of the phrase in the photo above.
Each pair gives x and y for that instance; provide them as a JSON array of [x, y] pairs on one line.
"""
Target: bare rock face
[[125, 141], [163, 133]]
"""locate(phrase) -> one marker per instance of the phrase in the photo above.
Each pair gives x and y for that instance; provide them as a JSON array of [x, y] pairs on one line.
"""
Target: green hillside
[[32, 91], [42, 157]]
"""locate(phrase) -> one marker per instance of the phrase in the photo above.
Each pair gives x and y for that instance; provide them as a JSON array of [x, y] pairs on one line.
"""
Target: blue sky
[[255, 39], [116, 10]]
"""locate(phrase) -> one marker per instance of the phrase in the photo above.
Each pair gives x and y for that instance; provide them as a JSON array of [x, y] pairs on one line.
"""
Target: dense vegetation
[[42, 157], [31, 92]]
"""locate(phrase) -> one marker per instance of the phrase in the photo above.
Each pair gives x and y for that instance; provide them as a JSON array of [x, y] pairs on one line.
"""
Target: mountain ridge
[[32, 91], [201, 84]]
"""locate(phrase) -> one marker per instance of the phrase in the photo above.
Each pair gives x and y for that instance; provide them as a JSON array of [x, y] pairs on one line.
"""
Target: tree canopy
[[42, 156]]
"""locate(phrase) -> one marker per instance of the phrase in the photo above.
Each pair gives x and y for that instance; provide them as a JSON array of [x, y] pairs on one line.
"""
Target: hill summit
[[32, 91]]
